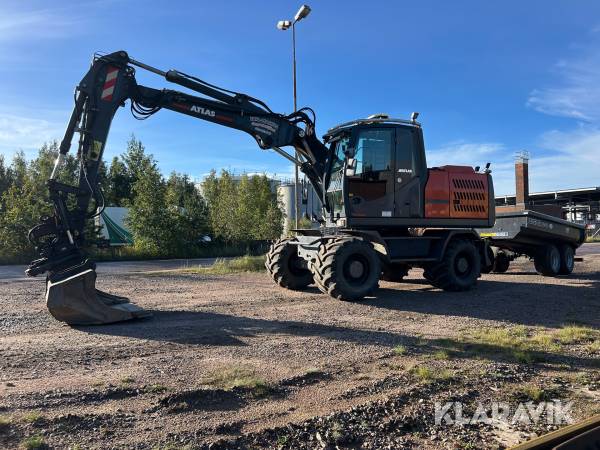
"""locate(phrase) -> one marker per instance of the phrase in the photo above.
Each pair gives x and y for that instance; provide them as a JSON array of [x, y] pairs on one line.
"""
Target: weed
[[523, 356], [441, 354], [594, 347], [574, 334], [535, 393], [34, 443], [5, 422], [400, 350], [32, 417], [282, 440], [235, 265], [127, 380], [427, 374], [157, 388], [337, 431], [422, 373], [240, 377]]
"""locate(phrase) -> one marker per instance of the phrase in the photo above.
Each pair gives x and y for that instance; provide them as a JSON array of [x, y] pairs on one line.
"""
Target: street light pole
[[284, 25], [296, 174]]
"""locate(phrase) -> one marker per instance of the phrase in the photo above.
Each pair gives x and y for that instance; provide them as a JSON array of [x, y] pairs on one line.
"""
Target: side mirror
[[350, 167]]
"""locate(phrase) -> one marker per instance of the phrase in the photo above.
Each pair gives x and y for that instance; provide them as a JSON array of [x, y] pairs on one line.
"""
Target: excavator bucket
[[76, 301]]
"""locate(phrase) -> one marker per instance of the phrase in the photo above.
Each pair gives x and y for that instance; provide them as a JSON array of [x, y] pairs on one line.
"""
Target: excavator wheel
[[75, 301], [395, 272], [459, 268], [286, 267], [347, 268]]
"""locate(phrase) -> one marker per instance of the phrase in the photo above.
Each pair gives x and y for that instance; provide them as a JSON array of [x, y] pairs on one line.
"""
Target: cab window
[[373, 151]]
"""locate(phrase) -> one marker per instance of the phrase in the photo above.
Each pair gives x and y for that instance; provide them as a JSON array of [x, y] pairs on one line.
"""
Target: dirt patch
[[319, 373]]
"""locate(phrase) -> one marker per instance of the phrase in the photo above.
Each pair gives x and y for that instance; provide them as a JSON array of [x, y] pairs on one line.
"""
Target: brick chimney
[[522, 179]]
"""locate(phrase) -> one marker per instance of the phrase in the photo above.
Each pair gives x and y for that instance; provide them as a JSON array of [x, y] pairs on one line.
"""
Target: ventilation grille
[[469, 198]]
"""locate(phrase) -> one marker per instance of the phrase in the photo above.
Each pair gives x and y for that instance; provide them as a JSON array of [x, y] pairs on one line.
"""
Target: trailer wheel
[[547, 261], [491, 256], [395, 272], [286, 267], [501, 262], [347, 269], [567, 259], [459, 268]]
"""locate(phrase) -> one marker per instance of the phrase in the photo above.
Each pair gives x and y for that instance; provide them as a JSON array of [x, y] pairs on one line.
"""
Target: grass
[[33, 443], [427, 374], [157, 388], [574, 334], [400, 350], [594, 347], [235, 265], [441, 354], [525, 345], [5, 422], [535, 393], [240, 377], [32, 417], [127, 380]]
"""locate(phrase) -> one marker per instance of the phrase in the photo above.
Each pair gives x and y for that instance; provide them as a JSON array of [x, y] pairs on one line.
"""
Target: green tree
[[189, 209], [26, 200], [243, 210], [119, 184], [5, 178]]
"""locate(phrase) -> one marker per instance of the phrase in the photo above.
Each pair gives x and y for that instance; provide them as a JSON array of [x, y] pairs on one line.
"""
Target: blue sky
[[489, 78]]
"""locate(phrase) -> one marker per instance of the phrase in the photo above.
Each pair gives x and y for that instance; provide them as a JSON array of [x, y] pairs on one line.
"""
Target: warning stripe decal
[[109, 84]]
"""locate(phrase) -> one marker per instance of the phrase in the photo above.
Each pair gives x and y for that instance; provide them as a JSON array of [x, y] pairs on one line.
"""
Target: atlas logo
[[203, 111]]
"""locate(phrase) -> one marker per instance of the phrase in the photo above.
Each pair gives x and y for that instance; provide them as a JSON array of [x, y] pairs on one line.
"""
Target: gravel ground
[[322, 373]]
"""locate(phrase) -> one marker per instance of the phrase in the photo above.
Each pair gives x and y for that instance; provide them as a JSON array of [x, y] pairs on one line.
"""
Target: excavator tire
[[459, 268], [75, 301], [347, 268], [286, 267], [395, 272]]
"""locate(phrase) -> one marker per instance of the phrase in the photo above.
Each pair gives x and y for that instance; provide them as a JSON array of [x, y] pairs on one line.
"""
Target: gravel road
[[322, 373]]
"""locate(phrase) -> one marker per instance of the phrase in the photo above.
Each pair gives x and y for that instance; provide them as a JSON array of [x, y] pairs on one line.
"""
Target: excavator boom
[[71, 295]]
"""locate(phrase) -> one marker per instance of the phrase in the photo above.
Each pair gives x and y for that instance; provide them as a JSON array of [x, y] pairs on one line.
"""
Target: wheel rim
[[555, 261], [356, 270], [569, 258], [463, 265]]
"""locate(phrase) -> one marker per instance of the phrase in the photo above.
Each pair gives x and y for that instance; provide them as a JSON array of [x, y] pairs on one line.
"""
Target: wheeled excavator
[[384, 211]]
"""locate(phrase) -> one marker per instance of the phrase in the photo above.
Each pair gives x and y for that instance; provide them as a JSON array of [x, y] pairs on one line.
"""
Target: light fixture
[[302, 13], [284, 24]]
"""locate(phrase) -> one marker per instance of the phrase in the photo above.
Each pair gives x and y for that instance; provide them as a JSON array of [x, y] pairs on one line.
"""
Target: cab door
[[371, 188], [408, 177]]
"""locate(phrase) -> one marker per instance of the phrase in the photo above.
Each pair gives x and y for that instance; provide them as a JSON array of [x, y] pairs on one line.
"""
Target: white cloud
[[25, 133], [577, 94], [35, 24], [575, 162], [464, 153]]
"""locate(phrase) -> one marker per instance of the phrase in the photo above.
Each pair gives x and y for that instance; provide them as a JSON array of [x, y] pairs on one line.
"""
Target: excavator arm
[[108, 85]]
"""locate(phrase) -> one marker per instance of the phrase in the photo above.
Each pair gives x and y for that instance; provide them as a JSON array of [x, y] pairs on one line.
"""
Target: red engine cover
[[456, 192]]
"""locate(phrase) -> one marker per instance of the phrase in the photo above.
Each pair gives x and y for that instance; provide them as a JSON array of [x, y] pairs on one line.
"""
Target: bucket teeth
[[76, 301]]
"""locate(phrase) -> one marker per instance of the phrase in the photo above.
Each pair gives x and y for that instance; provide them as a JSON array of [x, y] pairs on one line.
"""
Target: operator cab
[[378, 170]]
